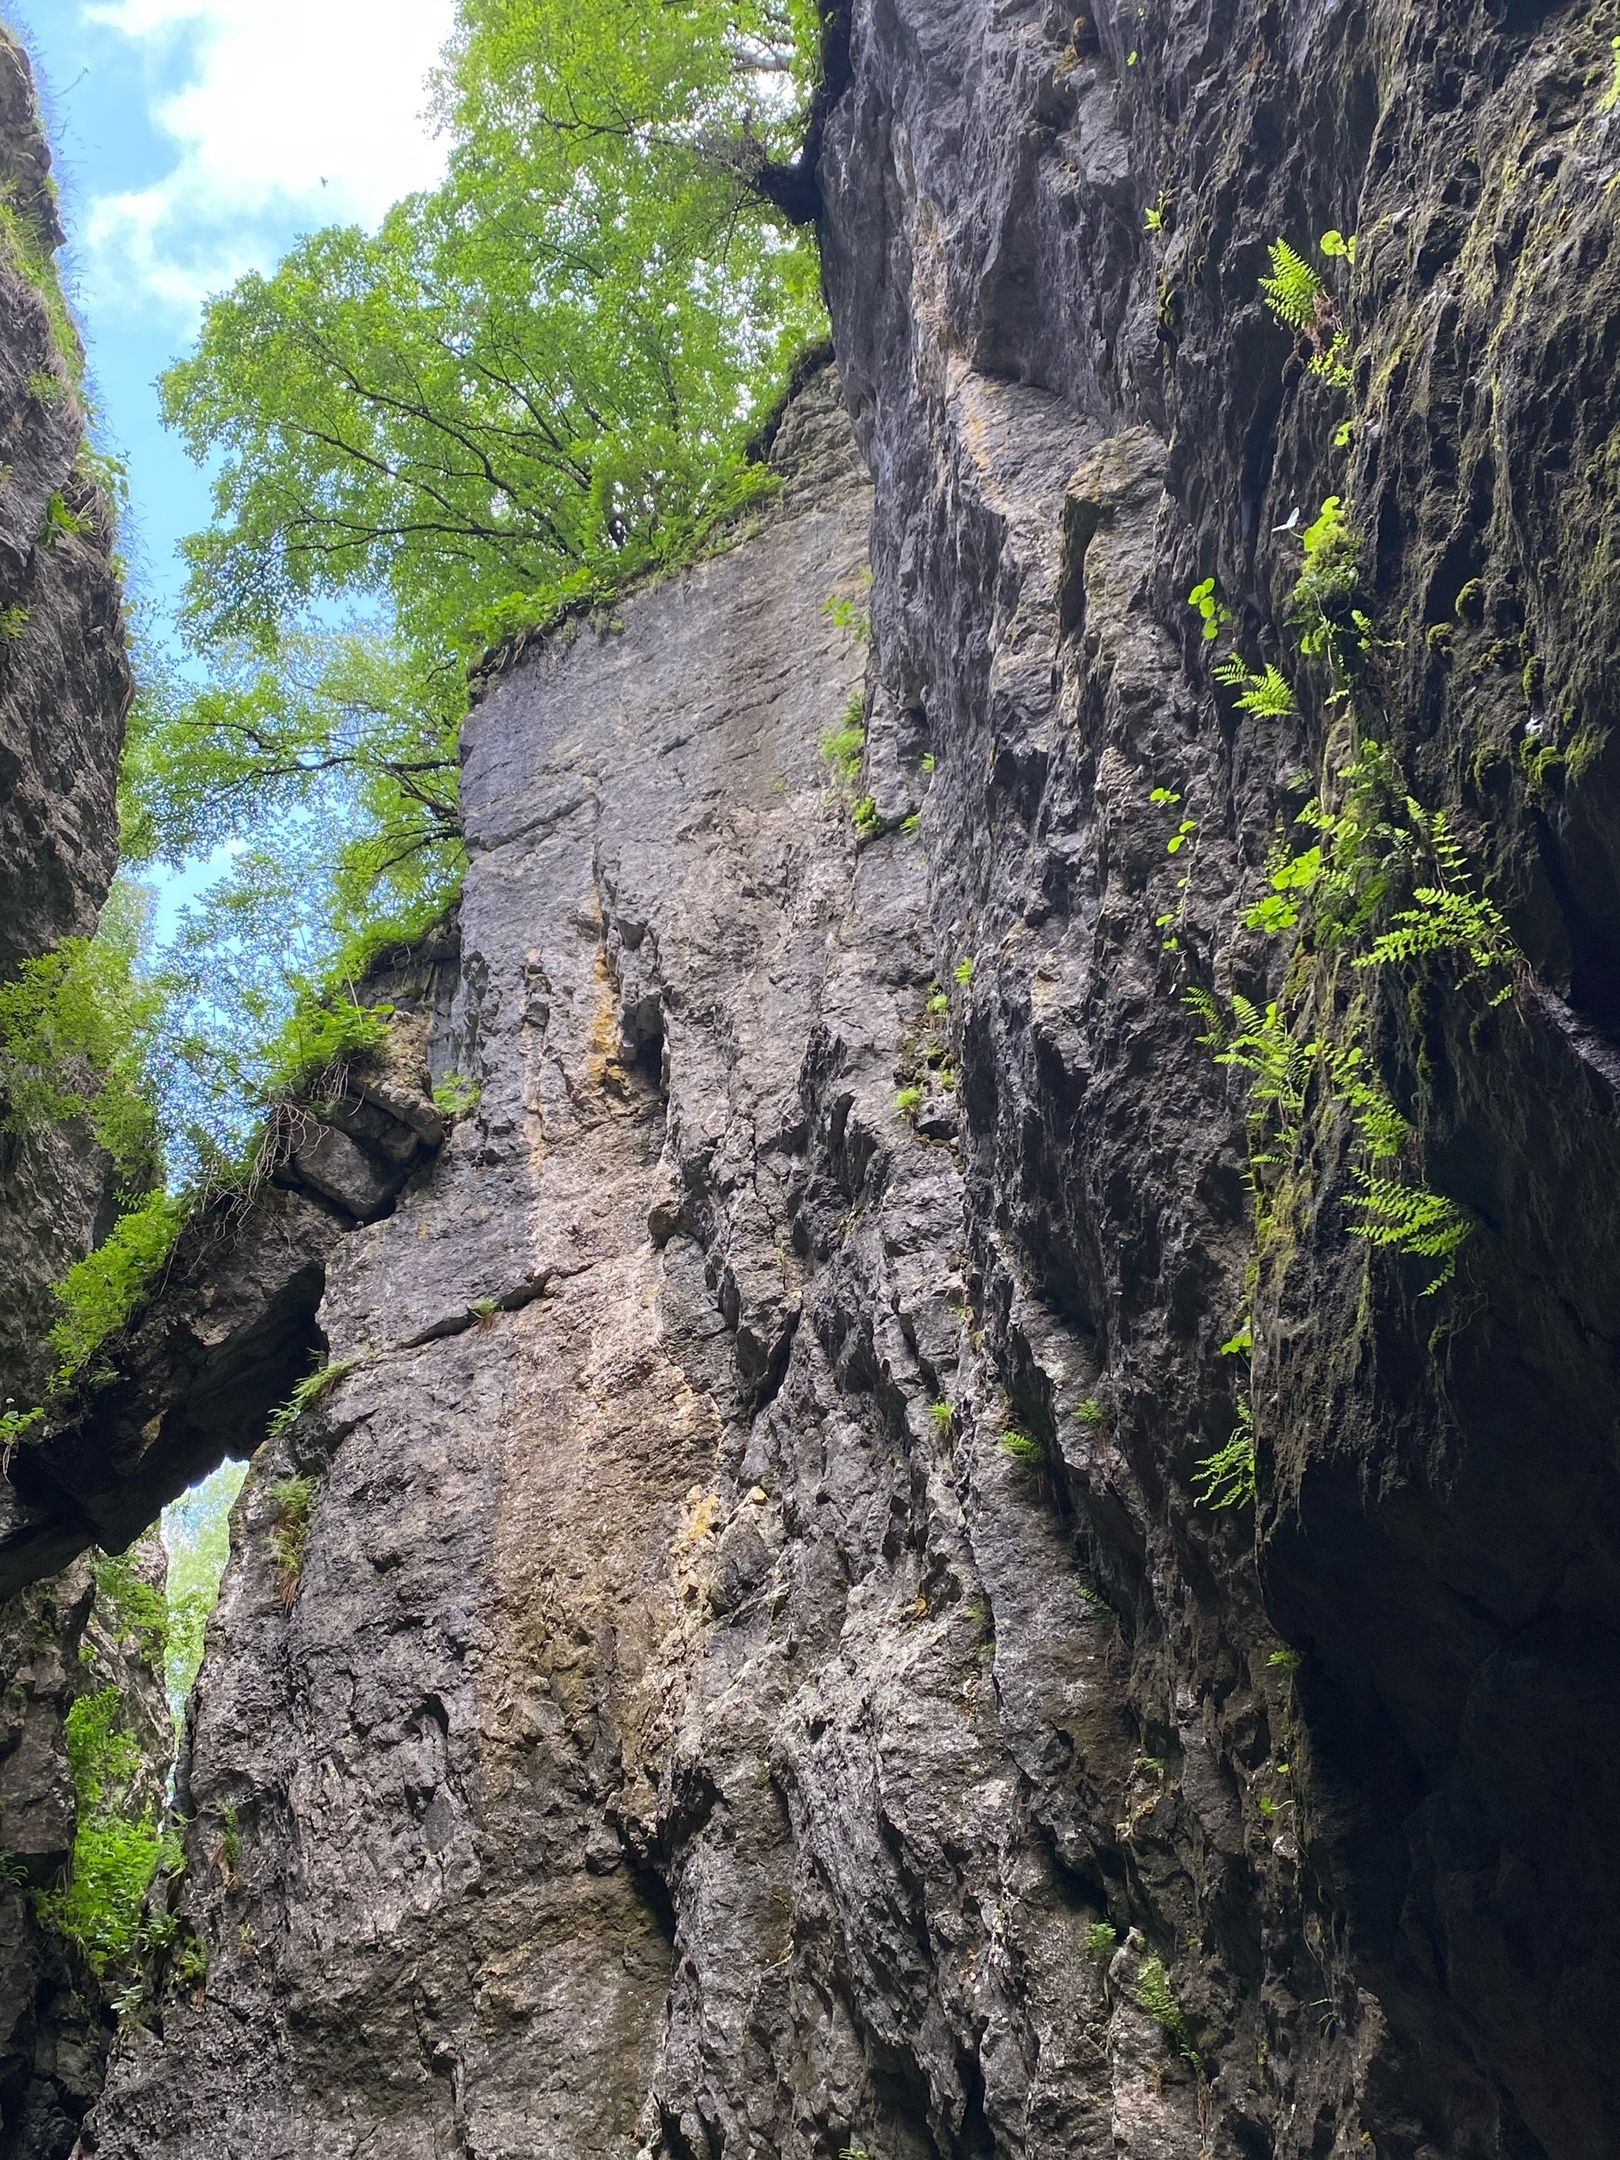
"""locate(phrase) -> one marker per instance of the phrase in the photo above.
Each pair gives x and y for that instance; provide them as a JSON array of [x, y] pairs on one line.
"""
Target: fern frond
[[1269, 696], [1293, 289], [1227, 1478], [1200, 1002], [1411, 1219]]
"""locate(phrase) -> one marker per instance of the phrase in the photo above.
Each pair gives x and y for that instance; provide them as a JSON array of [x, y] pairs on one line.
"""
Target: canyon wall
[[64, 688], [735, 1662]]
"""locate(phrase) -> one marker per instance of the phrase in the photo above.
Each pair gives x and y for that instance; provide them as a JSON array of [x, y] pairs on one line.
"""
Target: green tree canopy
[[531, 384], [538, 379]]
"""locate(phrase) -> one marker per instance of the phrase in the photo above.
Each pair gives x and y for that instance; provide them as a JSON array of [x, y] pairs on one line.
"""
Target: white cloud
[[296, 114]]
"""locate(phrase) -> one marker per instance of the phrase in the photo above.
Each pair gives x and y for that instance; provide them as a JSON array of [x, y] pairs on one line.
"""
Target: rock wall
[[64, 688], [734, 1664]]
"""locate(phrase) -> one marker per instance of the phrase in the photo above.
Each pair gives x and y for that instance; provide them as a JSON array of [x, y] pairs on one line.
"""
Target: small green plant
[[942, 1415], [13, 622], [294, 1501], [306, 1395], [484, 1308], [1226, 1478], [1294, 291], [1299, 299], [44, 387], [1266, 695], [14, 1425], [1268, 1808], [1102, 1941], [868, 819], [1450, 917], [1095, 1599], [60, 522], [1023, 1449], [844, 747], [939, 1004], [115, 1850], [322, 1037], [1278, 1063], [1091, 1412], [850, 617], [1410, 1219], [1286, 1661], [963, 971], [1611, 97], [1155, 1995], [908, 1100], [456, 1095], [1206, 602], [1325, 612]]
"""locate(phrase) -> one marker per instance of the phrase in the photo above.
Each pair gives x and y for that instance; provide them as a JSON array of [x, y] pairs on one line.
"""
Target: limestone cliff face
[[64, 687], [653, 1712]]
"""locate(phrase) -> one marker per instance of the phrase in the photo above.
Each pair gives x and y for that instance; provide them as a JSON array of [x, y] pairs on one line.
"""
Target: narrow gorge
[[963, 1495]]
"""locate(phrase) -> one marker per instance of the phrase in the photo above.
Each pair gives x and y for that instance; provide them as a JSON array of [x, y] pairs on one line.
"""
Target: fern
[[1208, 1010], [1410, 1219], [1294, 292], [1332, 362], [1266, 695], [1380, 1128], [1279, 1064], [1449, 918], [1227, 1478], [305, 1395]]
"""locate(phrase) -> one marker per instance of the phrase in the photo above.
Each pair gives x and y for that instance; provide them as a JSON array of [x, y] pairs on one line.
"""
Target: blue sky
[[194, 140]]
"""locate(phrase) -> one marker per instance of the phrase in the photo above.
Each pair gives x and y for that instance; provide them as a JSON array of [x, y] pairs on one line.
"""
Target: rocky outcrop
[[734, 1662], [231, 1328]]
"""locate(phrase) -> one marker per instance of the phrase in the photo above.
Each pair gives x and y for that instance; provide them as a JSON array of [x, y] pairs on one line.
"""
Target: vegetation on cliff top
[[530, 386]]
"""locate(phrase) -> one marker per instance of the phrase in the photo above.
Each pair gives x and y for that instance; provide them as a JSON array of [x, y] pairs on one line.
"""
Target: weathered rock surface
[[652, 1711], [64, 687], [232, 1326]]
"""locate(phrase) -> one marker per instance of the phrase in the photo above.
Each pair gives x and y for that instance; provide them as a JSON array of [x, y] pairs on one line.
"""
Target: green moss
[[102, 1293]]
